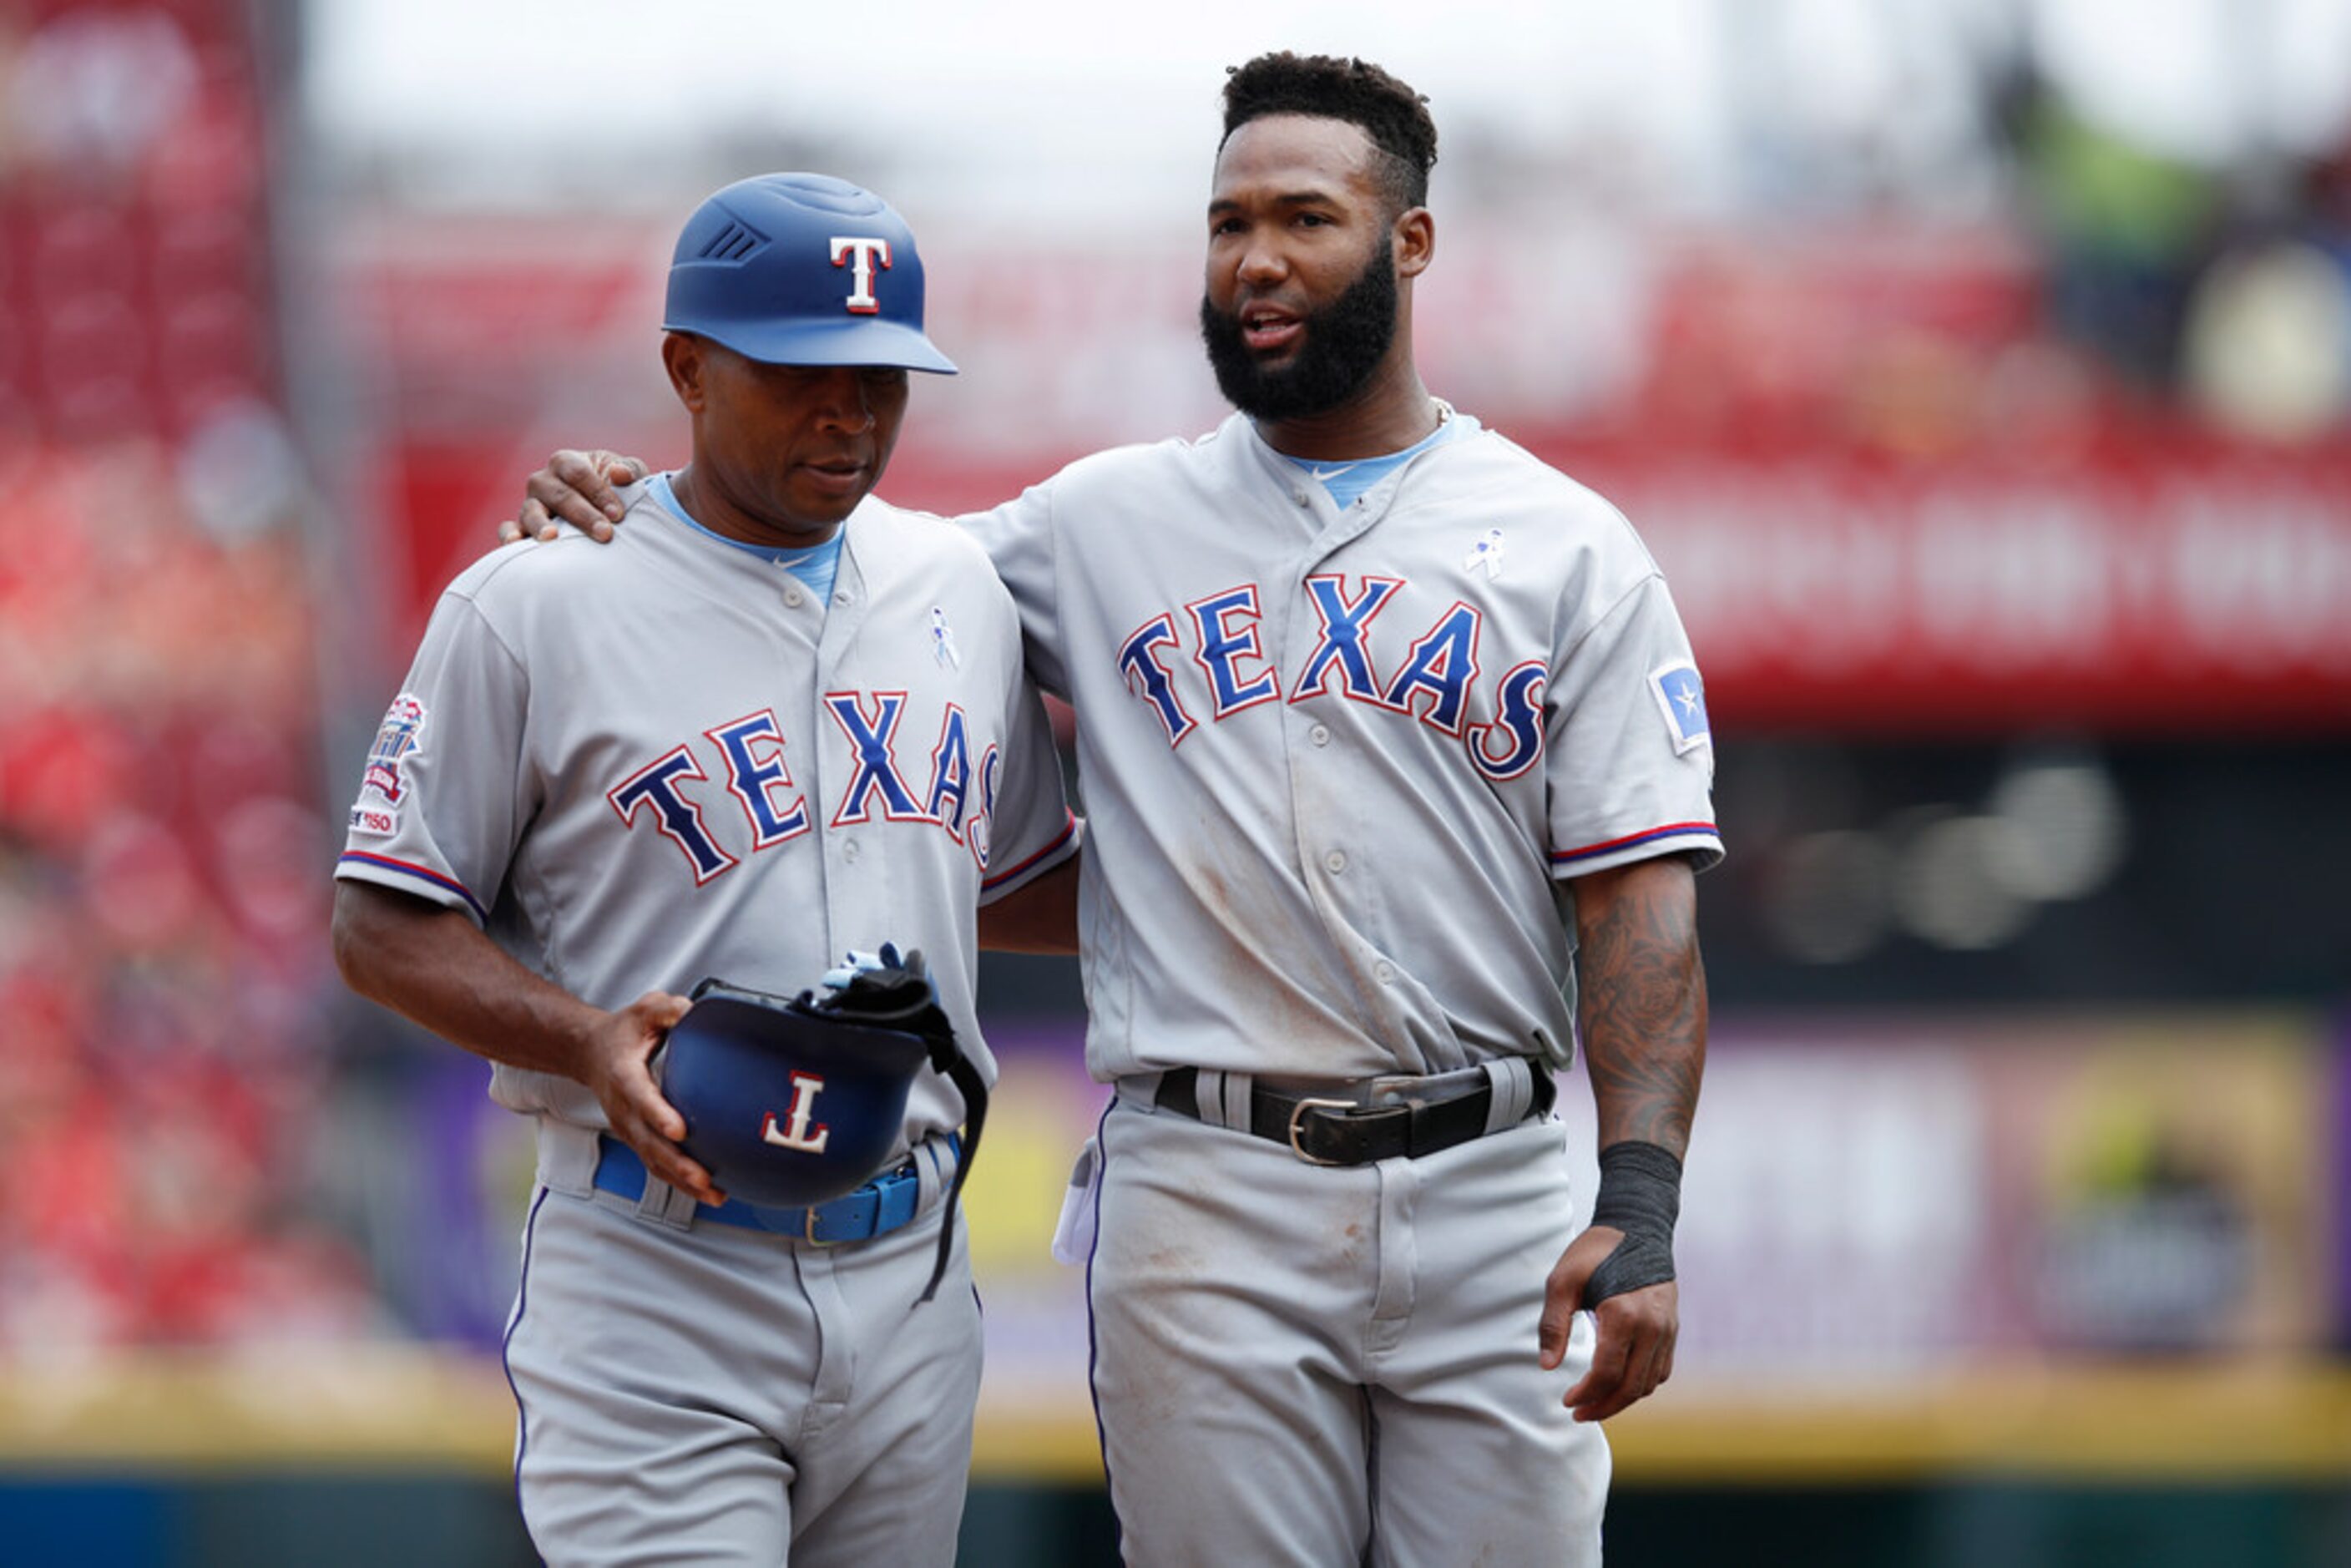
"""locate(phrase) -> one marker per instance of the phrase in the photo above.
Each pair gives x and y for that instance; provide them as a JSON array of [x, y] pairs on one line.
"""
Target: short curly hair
[[1395, 116]]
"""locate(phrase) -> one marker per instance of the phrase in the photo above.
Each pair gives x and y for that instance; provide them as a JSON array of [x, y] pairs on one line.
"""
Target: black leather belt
[[1333, 1131]]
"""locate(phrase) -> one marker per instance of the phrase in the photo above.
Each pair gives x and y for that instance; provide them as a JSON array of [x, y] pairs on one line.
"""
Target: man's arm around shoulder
[[1040, 916]]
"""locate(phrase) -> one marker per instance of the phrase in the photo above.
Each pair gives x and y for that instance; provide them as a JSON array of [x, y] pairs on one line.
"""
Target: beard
[[1343, 343]]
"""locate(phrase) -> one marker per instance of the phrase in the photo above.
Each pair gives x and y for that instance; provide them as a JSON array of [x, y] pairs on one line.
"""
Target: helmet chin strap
[[964, 1073], [891, 991]]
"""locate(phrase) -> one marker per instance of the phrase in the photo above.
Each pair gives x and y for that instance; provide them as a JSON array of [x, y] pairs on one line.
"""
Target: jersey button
[[1386, 971], [794, 597], [841, 598], [1335, 861], [849, 849], [1320, 734]]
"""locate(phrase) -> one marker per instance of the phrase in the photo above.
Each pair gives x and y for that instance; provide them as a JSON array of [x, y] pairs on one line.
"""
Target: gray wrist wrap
[[1640, 1194]]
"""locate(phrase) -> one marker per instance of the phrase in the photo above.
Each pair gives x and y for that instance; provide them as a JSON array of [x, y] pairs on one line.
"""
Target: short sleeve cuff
[[1020, 873], [405, 876], [1699, 841]]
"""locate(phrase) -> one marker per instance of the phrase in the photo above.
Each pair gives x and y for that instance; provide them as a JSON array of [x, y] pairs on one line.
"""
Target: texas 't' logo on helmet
[[862, 254]]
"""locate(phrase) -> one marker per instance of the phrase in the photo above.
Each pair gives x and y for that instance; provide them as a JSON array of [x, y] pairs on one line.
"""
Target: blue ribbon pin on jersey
[[1486, 555]]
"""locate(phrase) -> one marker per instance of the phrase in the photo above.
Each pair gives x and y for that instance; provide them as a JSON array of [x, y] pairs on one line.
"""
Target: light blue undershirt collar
[[1347, 481], [817, 566]]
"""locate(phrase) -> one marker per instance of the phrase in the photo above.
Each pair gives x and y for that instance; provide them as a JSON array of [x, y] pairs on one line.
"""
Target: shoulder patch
[[401, 734], [1681, 698]]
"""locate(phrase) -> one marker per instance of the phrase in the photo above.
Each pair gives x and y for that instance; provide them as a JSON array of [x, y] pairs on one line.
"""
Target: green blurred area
[[261, 1522], [400, 1456]]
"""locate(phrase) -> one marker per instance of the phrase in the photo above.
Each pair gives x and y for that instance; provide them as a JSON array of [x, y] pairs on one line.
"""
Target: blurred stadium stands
[[2015, 541]]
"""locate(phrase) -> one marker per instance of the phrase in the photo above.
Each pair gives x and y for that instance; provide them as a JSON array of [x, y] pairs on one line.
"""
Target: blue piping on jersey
[[1069, 826], [1093, 1333], [505, 1357], [423, 873], [1671, 831]]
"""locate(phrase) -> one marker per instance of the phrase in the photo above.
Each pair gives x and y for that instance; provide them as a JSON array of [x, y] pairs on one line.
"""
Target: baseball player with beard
[[1397, 772], [779, 720]]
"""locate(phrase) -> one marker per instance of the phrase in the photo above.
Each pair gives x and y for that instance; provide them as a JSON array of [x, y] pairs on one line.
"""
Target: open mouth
[[1268, 328]]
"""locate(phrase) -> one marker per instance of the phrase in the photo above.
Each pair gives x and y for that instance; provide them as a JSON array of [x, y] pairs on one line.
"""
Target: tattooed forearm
[[1642, 998]]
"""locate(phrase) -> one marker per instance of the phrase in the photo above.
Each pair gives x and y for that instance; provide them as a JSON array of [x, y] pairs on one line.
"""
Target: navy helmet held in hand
[[793, 1103], [784, 1103]]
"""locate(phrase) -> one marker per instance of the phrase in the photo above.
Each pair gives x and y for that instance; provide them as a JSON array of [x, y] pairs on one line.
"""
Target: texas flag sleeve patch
[[1681, 698]]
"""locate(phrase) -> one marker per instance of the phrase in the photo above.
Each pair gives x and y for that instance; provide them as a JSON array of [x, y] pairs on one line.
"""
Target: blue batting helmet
[[784, 1103], [802, 269]]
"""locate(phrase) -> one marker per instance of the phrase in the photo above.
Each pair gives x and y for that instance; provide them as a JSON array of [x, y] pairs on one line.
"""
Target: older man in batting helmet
[[780, 721]]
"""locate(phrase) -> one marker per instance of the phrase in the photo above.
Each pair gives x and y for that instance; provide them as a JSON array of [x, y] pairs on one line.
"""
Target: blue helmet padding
[[757, 268], [730, 1066]]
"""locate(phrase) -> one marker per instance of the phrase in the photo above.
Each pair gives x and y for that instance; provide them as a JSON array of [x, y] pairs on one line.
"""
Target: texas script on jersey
[[750, 754], [1433, 683]]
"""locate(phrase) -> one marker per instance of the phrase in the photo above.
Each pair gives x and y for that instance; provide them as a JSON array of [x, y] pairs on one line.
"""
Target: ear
[[1414, 238], [682, 357]]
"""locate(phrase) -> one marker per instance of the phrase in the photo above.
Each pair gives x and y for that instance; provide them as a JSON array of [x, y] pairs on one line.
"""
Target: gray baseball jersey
[[642, 765], [1340, 767], [1341, 760]]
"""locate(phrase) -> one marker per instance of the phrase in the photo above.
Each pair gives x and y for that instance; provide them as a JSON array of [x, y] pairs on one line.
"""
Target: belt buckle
[[1299, 1110], [808, 1224]]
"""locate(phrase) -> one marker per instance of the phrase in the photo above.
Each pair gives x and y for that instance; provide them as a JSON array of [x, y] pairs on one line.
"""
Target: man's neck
[[1391, 413], [708, 504]]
